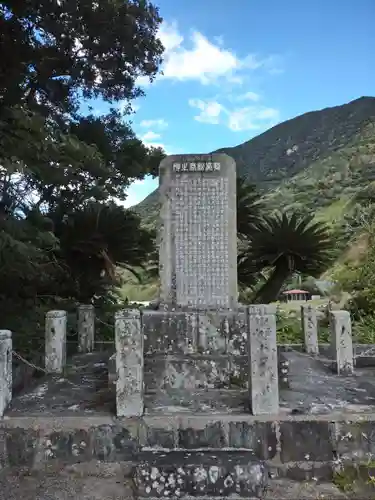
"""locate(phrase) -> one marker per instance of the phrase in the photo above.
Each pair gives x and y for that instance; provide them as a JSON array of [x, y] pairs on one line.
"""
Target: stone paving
[[84, 390], [81, 390], [69, 483]]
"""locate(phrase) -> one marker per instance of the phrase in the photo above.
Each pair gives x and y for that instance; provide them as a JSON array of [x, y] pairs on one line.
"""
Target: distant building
[[289, 295]]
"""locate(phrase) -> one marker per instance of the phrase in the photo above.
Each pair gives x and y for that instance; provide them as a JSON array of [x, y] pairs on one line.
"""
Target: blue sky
[[234, 69]]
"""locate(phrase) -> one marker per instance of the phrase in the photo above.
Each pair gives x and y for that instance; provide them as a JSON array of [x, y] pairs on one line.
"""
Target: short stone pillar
[[5, 370], [342, 342], [55, 341], [310, 329], [129, 363], [263, 360], [86, 328]]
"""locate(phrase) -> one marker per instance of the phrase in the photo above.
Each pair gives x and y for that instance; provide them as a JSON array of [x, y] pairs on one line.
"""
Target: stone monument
[[198, 346], [198, 236]]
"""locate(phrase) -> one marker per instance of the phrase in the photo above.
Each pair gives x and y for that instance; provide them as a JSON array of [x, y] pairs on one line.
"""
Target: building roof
[[295, 291]]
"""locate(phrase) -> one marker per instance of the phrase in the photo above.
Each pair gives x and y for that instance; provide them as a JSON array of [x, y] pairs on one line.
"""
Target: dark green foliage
[[94, 241], [285, 244], [53, 51], [249, 208], [61, 236]]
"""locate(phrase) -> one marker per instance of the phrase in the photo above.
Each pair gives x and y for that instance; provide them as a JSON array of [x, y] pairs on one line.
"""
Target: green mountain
[[317, 161]]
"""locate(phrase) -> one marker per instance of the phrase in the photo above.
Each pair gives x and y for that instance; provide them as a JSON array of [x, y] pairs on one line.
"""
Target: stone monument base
[[200, 360]]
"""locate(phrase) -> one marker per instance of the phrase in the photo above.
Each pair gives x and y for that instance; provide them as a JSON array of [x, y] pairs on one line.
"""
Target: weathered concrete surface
[[312, 490], [81, 390], [284, 440], [263, 361], [315, 389], [197, 237], [310, 386], [309, 325], [129, 363], [96, 482], [298, 447], [112, 483], [180, 473], [86, 328], [55, 344]]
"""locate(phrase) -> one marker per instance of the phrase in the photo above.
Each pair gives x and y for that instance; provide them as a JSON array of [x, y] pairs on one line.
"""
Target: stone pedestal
[[86, 328], [5, 370], [55, 341], [129, 363], [263, 360], [310, 329], [341, 342]]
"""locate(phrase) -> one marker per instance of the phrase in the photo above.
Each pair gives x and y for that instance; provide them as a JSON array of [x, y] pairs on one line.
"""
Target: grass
[[335, 210], [351, 477]]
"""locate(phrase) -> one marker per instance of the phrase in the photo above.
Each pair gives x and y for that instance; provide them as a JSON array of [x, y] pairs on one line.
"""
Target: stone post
[[263, 360], [55, 341], [310, 329], [5, 370], [341, 342], [86, 328], [129, 363]]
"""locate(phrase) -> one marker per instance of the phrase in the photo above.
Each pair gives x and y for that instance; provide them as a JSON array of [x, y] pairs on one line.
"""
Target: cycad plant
[[284, 244], [249, 208], [98, 238]]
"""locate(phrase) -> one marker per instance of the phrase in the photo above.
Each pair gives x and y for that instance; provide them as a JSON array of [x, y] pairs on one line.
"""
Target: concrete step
[[89, 481], [114, 481], [206, 474]]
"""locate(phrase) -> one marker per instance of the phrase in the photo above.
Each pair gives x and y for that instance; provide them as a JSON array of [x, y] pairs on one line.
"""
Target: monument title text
[[196, 167]]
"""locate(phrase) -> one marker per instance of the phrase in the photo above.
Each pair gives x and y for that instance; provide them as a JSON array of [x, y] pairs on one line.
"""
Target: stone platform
[[81, 390], [97, 481], [325, 420], [312, 388]]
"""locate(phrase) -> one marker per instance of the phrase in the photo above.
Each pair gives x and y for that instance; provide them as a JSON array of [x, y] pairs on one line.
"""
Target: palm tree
[[285, 244], [96, 240], [249, 208]]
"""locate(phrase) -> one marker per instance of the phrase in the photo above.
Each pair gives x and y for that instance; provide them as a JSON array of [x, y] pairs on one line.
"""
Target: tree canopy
[[63, 173], [54, 52]]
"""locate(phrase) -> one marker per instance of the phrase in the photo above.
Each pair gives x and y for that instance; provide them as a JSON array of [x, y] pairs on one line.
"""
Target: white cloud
[[159, 123], [198, 58], [238, 119], [209, 111], [252, 118], [150, 136], [170, 36], [249, 96], [204, 61]]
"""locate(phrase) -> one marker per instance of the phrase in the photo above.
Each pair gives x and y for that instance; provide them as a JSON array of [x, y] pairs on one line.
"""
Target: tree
[[55, 51], [94, 241], [61, 236], [249, 208], [286, 243]]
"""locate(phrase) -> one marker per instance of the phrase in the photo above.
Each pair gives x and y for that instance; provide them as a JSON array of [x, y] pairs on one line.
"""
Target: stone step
[[96, 480], [89, 481], [206, 474]]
